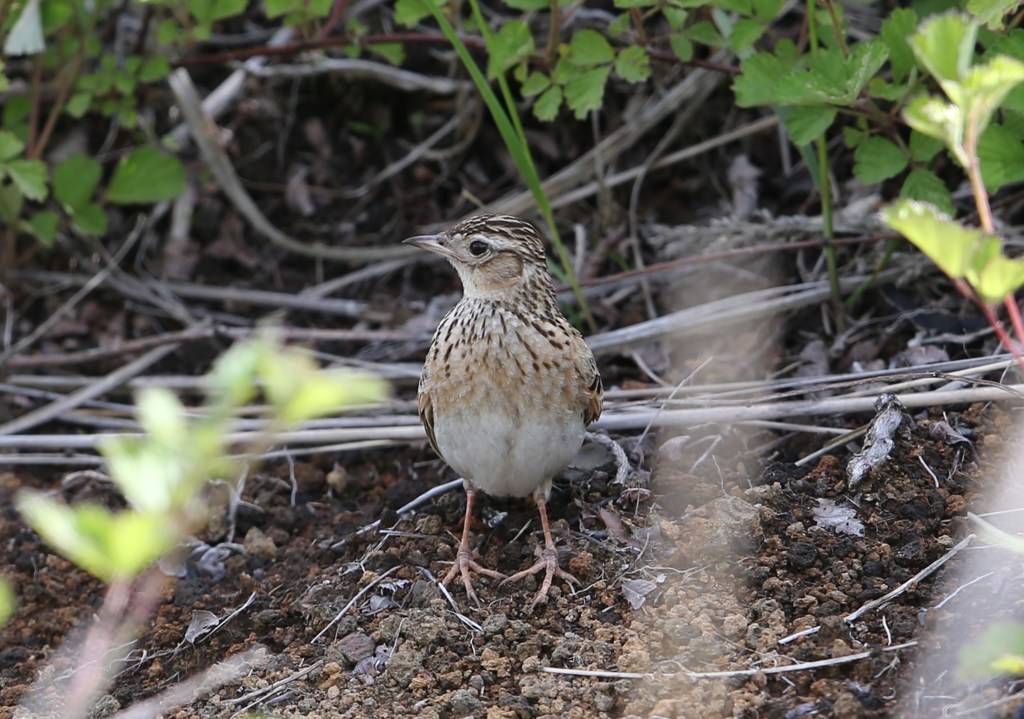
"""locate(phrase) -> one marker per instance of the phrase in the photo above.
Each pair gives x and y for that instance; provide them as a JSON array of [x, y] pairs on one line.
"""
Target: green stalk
[[510, 126], [825, 190]]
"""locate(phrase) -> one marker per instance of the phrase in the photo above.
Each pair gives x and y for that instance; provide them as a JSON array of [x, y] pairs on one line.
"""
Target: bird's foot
[[547, 563], [465, 564]]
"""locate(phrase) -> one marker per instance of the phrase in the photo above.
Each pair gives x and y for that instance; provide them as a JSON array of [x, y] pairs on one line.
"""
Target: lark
[[509, 385]]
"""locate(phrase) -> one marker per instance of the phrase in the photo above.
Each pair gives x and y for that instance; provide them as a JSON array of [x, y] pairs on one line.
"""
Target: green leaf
[[759, 75], [146, 175], [633, 64], [806, 123], [75, 180], [90, 219], [960, 252], [78, 105], [43, 225], [546, 107], [706, 33], [110, 546], [984, 88], [981, 657], [409, 13], [674, 16], [10, 145], [681, 46], [923, 147], [991, 12], [535, 84], [509, 46], [154, 68], [635, 3], [589, 47], [896, 29], [744, 34], [944, 45], [865, 60], [392, 52], [1001, 156], [8, 602], [11, 202], [585, 93], [767, 10], [620, 26], [925, 186], [30, 177], [941, 120], [877, 159], [527, 5], [227, 8]]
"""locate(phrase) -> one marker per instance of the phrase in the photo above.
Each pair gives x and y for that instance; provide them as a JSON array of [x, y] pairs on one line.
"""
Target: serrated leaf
[[806, 123], [510, 45], [75, 180], [546, 107], [991, 12], [935, 118], [10, 145], [877, 159], [744, 34], [586, 93], [1001, 156], [30, 178], [633, 64], [146, 175], [43, 226], [925, 186], [759, 75], [535, 84], [960, 252], [896, 30], [589, 47], [944, 45], [865, 60], [923, 147]]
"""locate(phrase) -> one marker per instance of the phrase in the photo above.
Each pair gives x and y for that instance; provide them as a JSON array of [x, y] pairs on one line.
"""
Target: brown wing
[[426, 406], [592, 394]]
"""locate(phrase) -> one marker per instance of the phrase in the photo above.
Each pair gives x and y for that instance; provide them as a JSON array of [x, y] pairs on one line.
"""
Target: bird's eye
[[477, 247]]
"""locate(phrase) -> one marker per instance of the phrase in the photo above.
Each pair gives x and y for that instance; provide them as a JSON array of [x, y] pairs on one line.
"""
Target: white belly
[[502, 454]]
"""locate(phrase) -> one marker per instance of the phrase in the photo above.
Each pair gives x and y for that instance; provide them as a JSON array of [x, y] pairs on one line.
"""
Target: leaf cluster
[[162, 472]]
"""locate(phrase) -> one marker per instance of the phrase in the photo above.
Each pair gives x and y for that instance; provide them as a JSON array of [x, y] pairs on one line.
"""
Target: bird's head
[[495, 255]]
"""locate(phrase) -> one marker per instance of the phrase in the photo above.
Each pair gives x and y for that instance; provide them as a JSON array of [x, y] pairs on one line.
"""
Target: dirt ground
[[711, 579], [689, 574]]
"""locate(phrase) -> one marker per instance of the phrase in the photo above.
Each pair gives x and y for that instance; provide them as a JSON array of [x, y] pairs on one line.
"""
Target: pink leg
[[464, 561], [548, 561]]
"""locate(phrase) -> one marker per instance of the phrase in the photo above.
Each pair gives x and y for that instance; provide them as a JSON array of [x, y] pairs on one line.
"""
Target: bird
[[509, 385]]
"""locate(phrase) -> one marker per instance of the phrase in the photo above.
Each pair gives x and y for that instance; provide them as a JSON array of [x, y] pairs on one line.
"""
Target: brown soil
[[732, 564]]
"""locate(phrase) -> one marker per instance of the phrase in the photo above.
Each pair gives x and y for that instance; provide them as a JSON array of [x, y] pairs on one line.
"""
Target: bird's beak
[[430, 243]]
